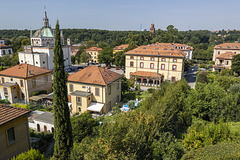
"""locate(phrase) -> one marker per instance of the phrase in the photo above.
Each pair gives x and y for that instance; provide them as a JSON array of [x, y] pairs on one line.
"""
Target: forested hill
[[203, 41]]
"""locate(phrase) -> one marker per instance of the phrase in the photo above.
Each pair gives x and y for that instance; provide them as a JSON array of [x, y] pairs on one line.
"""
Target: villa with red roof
[[18, 83], [94, 89], [4, 49]]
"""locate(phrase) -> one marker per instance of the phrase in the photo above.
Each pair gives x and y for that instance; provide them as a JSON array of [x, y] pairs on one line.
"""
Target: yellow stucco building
[[19, 82], [93, 52], [94, 89], [14, 131], [223, 61], [152, 64], [225, 47], [120, 48]]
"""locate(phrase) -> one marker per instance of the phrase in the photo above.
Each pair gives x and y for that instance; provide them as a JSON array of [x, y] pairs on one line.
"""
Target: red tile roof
[[121, 47], [152, 50], [145, 74], [10, 113], [231, 46], [226, 55], [94, 49], [184, 47], [24, 71], [94, 75]]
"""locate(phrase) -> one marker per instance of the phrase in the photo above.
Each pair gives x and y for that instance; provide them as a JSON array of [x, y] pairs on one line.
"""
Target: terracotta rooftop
[[24, 71], [10, 113], [232, 46], [226, 55], [94, 49], [175, 45], [153, 50], [121, 47], [94, 75], [145, 74]]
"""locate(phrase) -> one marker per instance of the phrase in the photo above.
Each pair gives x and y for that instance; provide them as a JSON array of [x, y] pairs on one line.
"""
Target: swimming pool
[[126, 108]]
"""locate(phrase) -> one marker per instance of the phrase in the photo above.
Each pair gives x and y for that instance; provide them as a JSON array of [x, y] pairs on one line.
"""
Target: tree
[[126, 84], [31, 154], [84, 57], [106, 56], [73, 59], [119, 59], [202, 77], [236, 64], [83, 126], [62, 124]]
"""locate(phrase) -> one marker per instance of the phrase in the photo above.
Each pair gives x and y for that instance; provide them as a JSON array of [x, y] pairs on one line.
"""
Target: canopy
[[95, 107]]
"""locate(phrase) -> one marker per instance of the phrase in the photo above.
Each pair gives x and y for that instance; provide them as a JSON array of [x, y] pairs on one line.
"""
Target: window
[[94, 57], [174, 67], [152, 59], [163, 60], [11, 79], [83, 86], [36, 62], [2, 80], [109, 89], [173, 79], [141, 65], [34, 82], [9, 51], [118, 98], [5, 91], [218, 52], [43, 62], [70, 87], [11, 136], [141, 58], [118, 84], [21, 83], [131, 64], [162, 66], [46, 78], [96, 91], [151, 65], [227, 63], [174, 60], [95, 53], [79, 101], [4, 52], [131, 57]]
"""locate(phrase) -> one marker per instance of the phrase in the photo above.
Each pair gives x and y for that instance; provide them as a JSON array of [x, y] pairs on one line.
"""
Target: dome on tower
[[44, 32]]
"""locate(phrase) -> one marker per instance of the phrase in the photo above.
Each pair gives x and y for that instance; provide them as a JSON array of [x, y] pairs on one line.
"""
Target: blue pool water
[[126, 108]]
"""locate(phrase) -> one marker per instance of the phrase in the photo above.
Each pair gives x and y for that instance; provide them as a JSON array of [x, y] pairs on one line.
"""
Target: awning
[[95, 107]]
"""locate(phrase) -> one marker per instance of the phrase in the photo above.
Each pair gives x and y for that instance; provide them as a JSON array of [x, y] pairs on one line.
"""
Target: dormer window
[[156, 48], [165, 48], [144, 47]]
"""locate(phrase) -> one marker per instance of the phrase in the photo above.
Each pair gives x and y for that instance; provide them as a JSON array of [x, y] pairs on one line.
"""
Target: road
[[191, 76]]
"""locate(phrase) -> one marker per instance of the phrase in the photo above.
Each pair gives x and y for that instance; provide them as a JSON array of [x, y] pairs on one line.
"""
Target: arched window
[[38, 127], [174, 67]]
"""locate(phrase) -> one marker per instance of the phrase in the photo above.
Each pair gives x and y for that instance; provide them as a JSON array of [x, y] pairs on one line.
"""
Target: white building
[[40, 53], [41, 121], [4, 49]]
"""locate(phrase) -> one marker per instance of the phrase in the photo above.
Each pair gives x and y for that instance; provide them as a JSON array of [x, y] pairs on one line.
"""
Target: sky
[[122, 14]]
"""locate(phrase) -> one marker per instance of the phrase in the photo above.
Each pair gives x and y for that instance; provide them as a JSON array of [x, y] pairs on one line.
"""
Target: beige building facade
[[20, 82], [151, 64], [223, 61], [94, 52], [226, 47], [94, 89], [14, 131]]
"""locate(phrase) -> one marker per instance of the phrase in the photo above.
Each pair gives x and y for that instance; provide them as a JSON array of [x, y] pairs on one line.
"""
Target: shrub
[[24, 106], [39, 92], [31, 154]]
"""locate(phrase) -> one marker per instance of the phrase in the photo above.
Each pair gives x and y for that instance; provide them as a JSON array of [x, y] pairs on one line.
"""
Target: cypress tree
[[62, 124]]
